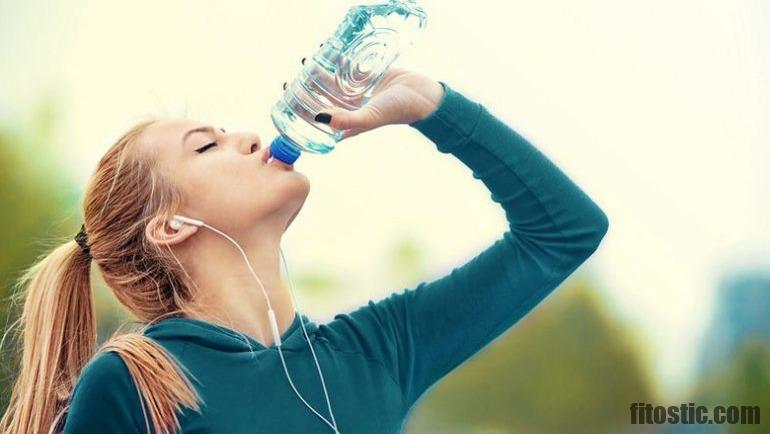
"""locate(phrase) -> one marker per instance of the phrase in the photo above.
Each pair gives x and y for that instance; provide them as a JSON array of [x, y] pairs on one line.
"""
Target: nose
[[250, 143]]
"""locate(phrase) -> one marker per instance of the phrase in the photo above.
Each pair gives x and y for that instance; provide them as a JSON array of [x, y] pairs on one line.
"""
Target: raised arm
[[423, 333]]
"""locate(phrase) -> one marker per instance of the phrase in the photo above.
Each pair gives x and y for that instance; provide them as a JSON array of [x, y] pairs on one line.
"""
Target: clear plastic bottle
[[342, 73]]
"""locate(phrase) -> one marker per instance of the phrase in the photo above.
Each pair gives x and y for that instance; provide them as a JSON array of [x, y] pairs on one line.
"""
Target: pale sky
[[657, 109]]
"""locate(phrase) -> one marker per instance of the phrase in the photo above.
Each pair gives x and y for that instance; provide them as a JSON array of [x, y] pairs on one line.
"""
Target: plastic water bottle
[[342, 73]]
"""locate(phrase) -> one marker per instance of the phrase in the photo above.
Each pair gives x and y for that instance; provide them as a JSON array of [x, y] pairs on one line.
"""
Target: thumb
[[365, 118]]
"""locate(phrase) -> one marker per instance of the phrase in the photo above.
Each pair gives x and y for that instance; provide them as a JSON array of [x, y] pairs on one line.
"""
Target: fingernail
[[303, 61], [284, 85], [323, 118]]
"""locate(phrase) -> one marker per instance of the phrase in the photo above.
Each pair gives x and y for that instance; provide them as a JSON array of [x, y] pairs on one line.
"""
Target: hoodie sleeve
[[421, 334], [105, 399]]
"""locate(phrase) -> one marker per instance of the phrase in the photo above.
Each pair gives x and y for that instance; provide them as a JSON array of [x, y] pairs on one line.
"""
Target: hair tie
[[82, 239]]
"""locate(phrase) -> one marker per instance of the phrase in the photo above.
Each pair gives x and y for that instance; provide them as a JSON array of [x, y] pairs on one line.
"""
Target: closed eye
[[204, 147]]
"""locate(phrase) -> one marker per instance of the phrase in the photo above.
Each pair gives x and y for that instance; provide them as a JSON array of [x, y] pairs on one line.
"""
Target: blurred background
[[657, 109]]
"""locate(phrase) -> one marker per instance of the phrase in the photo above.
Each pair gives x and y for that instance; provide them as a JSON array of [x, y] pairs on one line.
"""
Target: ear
[[160, 233]]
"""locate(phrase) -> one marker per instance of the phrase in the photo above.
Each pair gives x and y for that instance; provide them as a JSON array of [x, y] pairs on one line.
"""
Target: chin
[[296, 195], [295, 186]]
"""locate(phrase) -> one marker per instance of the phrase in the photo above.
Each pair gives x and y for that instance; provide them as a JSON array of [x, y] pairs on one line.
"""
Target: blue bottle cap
[[284, 150]]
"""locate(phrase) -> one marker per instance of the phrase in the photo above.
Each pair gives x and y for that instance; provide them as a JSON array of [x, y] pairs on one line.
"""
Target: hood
[[221, 338]]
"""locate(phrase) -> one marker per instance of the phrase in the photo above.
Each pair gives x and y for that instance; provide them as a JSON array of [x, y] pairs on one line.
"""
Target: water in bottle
[[342, 73]]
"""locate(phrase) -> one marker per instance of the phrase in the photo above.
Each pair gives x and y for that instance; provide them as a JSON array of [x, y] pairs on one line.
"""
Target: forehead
[[171, 129], [166, 132]]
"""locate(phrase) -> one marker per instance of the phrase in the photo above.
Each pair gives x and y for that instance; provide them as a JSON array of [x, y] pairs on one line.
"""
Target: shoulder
[[105, 375], [104, 396], [373, 328], [107, 365]]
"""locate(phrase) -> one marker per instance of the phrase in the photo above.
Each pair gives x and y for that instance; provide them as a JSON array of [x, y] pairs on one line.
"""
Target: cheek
[[233, 196], [229, 208], [277, 189], [217, 193]]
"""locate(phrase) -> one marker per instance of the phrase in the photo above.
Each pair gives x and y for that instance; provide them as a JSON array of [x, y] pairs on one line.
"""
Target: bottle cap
[[284, 150]]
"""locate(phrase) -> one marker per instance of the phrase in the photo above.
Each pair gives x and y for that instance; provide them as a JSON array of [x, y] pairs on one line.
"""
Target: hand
[[401, 97]]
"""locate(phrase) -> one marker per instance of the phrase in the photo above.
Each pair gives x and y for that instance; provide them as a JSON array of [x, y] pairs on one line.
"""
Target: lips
[[281, 163], [266, 156]]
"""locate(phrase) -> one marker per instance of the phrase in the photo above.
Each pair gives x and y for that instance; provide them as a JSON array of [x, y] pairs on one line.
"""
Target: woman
[[206, 360]]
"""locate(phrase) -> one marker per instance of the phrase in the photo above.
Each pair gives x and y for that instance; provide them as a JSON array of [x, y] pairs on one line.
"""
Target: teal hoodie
[[380, 358]]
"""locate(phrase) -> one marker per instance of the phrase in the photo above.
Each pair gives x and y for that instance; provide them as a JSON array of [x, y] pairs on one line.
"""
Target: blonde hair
[[58, 323]]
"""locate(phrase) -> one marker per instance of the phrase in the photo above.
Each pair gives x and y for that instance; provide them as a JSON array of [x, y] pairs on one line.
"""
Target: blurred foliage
[[734, 367], [316, 286], [40, 210], [743, 380], [35, 202], [567, 367], [406, 263]]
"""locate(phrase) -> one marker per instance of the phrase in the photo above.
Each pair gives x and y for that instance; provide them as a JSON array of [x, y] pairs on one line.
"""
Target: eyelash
[[204, 147]]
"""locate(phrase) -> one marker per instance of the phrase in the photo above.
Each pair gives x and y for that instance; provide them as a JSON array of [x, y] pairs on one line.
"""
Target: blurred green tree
[[41, 208], [568, 367], [36, 202], [743, 380]]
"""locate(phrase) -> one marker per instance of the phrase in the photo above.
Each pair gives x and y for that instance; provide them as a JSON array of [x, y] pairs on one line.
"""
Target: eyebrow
[[205, 129]]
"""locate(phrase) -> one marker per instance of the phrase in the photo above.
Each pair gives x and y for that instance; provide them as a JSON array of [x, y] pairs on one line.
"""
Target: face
[[223, 175]]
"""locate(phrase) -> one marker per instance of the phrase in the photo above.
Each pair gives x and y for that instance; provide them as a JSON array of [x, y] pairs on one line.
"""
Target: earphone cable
[[318, 366], [280, 352]]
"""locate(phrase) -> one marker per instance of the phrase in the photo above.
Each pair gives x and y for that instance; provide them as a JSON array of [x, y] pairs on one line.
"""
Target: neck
[[226, 291]]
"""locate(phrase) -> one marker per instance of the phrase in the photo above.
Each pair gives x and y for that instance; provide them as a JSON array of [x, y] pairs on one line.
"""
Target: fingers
[[332, 120], [364, 118], [342, 118]]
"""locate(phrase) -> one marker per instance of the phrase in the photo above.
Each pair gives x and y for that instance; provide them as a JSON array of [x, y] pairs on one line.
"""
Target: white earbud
[[178, 220]]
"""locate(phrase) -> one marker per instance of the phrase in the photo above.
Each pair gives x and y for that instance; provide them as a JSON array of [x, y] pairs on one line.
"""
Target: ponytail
[[59, 338], [58, 329]]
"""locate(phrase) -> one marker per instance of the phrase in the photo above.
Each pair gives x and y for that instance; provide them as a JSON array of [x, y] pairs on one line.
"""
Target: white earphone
[[177, 222]]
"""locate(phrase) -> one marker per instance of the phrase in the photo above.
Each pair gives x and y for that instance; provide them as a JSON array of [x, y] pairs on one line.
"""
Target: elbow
[[587, 239], [603, 225], [598, 230]]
